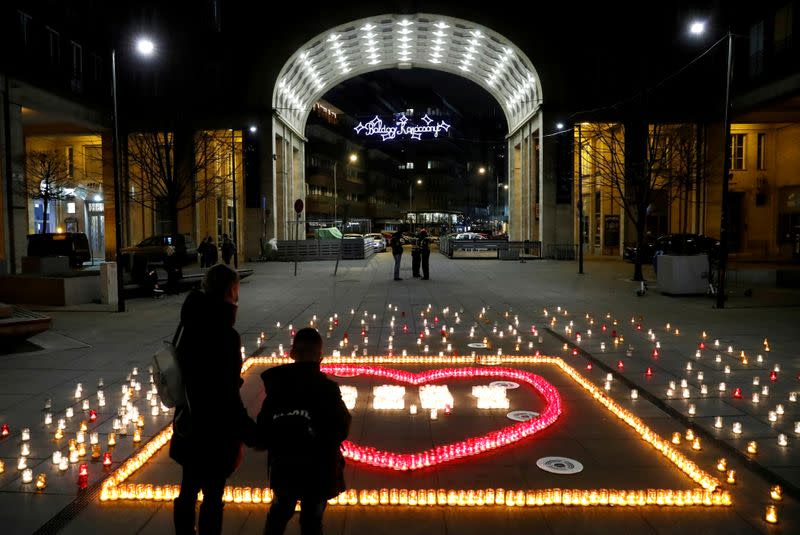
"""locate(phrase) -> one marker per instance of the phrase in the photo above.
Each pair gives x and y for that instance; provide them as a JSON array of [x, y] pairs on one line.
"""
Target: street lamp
[[481, 170], [352, 158], [145, 47], [697, 28], [411, 193]]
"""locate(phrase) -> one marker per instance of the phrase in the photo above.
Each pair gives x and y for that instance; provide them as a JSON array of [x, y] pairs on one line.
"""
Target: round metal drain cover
[[559, 465], [477, 345], [508, 385], [521, 416]]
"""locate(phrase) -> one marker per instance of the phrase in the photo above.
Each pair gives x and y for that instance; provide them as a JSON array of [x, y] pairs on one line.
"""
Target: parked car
[[379, 242], [353, 236], [153, 250], [674, 244], [74, 245], [468, 236]]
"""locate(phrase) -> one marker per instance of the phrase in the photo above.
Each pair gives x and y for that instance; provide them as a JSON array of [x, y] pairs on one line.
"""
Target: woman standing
[[209, 433]]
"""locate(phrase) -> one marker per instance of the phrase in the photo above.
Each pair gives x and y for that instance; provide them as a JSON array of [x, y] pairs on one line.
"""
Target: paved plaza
[[731, 377]]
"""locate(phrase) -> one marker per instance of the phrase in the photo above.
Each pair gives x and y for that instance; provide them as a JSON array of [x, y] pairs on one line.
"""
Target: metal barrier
[[494, 249], [308, 250]]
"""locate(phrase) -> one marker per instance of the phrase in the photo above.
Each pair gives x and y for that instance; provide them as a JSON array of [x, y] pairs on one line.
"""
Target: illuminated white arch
[[406, 41]]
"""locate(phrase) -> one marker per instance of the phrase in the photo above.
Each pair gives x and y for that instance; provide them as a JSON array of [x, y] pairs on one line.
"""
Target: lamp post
[[235, 232], [144, 47], [352, 158], [411, 194], [580, 198], [726, 165], [698, 28]]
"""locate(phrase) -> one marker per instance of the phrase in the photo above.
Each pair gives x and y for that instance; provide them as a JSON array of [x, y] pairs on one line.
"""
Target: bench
[[16, 322]]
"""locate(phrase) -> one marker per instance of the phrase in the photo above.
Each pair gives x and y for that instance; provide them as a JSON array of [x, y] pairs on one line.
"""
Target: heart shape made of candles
[[465, 448]]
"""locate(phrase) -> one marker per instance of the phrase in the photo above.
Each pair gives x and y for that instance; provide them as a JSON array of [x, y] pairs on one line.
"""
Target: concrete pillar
[[110, 233], [15, 207]]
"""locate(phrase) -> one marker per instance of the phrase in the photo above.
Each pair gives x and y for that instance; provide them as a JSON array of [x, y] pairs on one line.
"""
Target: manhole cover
[[559, 465], [510, 385], [477, 345], [521, 416]]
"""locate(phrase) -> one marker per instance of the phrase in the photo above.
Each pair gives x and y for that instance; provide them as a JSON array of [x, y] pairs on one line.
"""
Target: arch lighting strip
[[405, 41], [707, 492]]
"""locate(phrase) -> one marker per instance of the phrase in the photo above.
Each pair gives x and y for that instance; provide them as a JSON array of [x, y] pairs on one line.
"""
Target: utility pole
[[726, 169]]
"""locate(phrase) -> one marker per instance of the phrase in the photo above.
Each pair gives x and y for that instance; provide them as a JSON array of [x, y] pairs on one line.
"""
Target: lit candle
[[771, 514], [26, 434], [27, 475], [737, 428], [752, 447], [722, 465], [41, 481], [731, 477], [782, 441]]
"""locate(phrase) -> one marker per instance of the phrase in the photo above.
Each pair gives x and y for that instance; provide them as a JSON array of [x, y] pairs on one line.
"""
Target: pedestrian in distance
[[211, 427], [396, 243], [302, 423], [173, 268], [228, 249], [415, 258], [424, 245]]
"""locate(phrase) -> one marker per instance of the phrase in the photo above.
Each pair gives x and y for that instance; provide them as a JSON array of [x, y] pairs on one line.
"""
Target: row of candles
[[449, 497], [115, 488]]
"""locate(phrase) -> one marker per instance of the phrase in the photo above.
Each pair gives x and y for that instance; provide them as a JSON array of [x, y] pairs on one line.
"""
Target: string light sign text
[[402, 127]]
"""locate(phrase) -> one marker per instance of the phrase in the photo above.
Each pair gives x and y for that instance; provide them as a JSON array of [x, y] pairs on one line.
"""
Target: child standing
[[302, 422]]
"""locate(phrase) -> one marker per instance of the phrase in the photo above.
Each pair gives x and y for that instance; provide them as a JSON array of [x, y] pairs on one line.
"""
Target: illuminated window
[[70, 207], [410, 165], [761, 156], [738, 162]]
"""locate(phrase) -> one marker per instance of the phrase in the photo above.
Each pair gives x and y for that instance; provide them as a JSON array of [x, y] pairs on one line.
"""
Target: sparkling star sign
[[402, 127]]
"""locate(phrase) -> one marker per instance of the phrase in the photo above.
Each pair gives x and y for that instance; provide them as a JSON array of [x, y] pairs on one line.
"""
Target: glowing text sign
[[402, 128]]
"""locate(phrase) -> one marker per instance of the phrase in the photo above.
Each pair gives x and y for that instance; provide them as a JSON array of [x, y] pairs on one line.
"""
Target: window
[[54, 46], [410, 165], [761, 156], [70, 162], [586, 159], [783, 28], [77, 61], [737, 152], [24, 27], [756, 42]]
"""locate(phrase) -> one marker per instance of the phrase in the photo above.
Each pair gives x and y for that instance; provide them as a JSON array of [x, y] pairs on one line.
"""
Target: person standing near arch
[[397, 251], [424, 245]]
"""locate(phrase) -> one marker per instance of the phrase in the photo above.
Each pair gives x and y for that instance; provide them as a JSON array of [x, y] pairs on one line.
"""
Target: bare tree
[[662, 163], [47, 177], [161, 180]]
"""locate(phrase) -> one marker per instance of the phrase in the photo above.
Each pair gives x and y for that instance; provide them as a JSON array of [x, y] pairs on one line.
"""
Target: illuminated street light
[[559, 125], [353, 157], [697, 27], [482, 170], [253, 129], [145, 46], [419, 181]]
